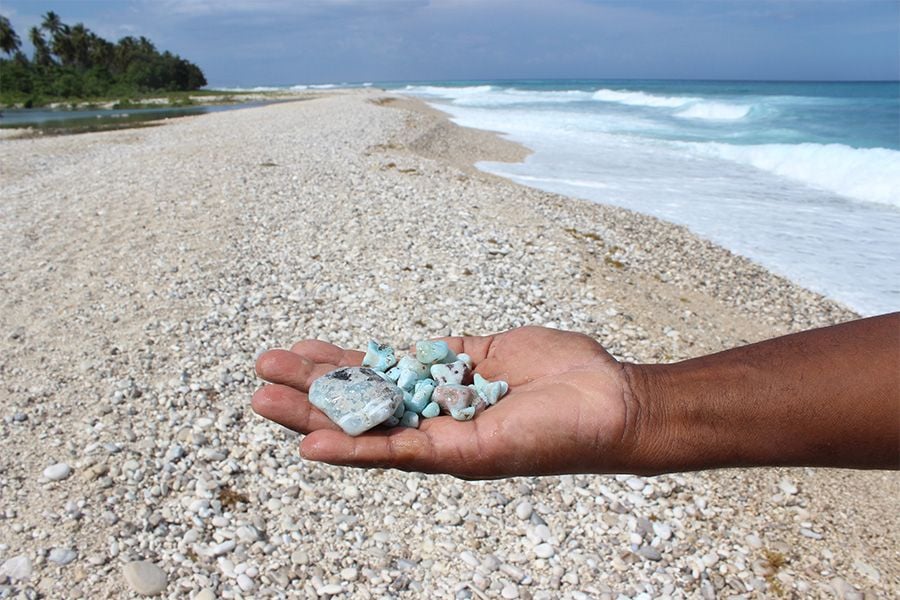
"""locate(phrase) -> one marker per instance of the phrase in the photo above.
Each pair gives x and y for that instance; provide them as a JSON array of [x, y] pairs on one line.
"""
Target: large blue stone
[[355, 398]]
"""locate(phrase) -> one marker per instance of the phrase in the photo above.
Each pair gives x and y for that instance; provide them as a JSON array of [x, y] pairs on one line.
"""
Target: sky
[[246, 43]]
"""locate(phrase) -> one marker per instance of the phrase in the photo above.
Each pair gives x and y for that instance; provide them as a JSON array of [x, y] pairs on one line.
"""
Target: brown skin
[[828, 397]]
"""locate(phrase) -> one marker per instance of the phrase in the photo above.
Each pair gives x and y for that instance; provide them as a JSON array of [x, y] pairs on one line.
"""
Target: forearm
[[826, 397]]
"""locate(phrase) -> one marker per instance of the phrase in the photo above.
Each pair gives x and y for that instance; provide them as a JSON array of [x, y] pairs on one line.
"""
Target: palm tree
[[79, 38], [9, 41], [41, 50], [100, 52], [52, 23]]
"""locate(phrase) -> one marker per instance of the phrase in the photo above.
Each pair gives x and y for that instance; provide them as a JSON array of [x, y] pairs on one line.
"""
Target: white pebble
[[144, 577], [220, 549], [244, 582], [524, 509], [62, 556], [786, 486], [662, 530], [544, 550], [635, 483], [57, 472], [448, 516], [17, 568], [329, 590], [247, 534], [469, 558]]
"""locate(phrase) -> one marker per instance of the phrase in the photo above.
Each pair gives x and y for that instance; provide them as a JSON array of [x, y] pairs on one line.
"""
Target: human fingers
[[323, 352], [289, 407], [431, 449], [281, 366]]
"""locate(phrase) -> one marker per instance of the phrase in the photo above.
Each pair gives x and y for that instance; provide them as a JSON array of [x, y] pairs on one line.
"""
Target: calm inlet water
[[87, 119], [803, 178]]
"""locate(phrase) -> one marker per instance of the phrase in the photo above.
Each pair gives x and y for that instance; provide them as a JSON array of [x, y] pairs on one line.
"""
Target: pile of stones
[[390, 392]]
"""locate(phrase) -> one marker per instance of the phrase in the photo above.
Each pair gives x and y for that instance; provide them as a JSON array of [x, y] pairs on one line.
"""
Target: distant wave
[[642, 99], [715, 111], [447, 91], [867, 174]]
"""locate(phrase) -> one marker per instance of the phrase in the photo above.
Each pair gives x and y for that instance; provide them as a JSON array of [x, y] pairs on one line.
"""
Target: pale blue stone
[[430, 352], [417, 402], [407, 380], [380, 357], [454, 372], [431, 410], [463, 414], [466, 359], [422, 395], [490, 391], [391, 421], [355, 398], [410, 419], [393, 374], [410, 363], [479, 382], [494, 391], [423, 383], [400, 410]]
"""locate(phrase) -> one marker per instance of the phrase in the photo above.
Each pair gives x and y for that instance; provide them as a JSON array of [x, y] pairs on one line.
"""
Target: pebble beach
[[145, 269]]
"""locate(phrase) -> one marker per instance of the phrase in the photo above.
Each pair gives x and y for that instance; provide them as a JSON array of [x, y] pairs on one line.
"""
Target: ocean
[[801, 177]]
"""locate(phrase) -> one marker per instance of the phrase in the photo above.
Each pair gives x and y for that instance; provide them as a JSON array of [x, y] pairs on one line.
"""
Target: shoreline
[[146, 268], [793, 207], [463, 147]]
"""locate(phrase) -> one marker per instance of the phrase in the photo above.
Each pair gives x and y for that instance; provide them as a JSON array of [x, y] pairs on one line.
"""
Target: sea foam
[[863, 174], [714, 111], [642, 99]]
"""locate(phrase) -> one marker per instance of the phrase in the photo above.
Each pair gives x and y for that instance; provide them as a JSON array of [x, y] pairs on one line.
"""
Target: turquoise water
[[802, 177], [39, 117]]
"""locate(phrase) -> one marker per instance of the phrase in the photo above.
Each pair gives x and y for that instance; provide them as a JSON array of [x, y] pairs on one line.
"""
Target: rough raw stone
[[455, 399], [356, 398], [431, 410], [379, 357], [144, 577], [490, 391], [431, 352], [455, 372]]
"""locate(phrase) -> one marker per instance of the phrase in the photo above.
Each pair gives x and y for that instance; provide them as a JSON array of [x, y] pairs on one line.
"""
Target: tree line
[[71, 62]]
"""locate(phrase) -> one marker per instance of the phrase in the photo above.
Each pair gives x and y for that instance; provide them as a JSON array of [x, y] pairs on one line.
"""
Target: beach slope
[[144, 270]]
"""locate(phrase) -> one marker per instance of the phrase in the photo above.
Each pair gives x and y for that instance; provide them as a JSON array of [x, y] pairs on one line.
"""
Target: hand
[[566, 410]]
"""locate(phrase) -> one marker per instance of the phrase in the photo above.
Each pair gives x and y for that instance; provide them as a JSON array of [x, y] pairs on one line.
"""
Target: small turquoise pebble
[[431, 410], [463, 414], [380, 357], [431, 352], [400, 410], [409, 419]]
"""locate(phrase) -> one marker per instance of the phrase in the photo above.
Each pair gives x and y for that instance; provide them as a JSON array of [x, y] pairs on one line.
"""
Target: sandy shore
[[145, 269]]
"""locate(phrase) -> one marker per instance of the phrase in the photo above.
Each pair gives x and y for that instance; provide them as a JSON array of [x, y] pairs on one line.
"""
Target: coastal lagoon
[[77, 120]]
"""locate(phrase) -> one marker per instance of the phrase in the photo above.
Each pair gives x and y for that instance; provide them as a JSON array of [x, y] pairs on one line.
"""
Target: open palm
[[566, 410]]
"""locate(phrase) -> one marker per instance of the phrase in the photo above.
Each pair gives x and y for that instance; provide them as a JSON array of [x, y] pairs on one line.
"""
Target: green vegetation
[[74, 64]]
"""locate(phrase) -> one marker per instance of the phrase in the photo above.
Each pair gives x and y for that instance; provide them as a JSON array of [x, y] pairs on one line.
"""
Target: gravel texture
[[145, 269]]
